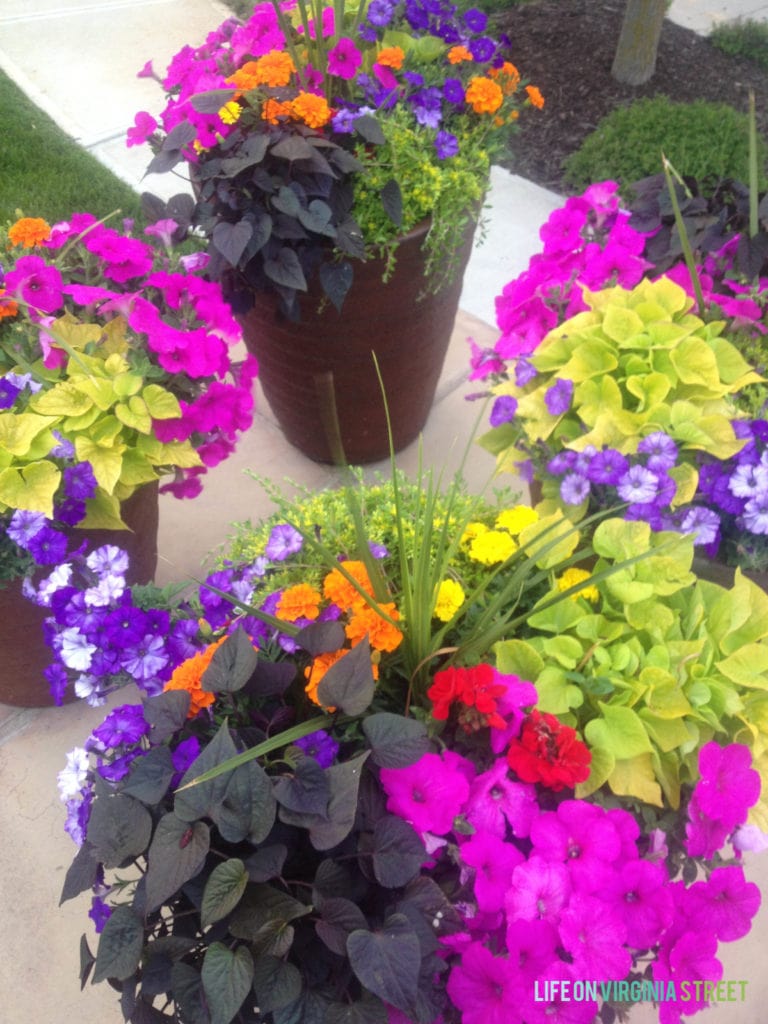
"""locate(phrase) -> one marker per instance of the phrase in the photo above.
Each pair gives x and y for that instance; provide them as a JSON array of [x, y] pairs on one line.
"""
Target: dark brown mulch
[[566, 47]]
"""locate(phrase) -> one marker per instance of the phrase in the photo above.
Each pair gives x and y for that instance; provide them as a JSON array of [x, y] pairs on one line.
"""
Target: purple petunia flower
[[704, 523], [9, 392], [525, 371], [125, 725], [756, 513], [503, 410], [660, 449], [558, 397], [426, 104], [108, 560], [320, 745], [47, 546], [283, 541], [79, 481], [446, 145], [638, 485], [24, 525], [475, 20], [607, 467], [453, 91], [380, 12], [99, 913], [574, 488]]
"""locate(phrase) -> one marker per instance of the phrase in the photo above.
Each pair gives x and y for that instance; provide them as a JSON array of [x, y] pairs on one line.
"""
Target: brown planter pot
[[718, 572], [325, 361], [23, 651]]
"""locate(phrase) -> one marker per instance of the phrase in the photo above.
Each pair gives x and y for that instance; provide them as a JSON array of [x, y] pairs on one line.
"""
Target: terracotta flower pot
[[23, 652], [322, 367]]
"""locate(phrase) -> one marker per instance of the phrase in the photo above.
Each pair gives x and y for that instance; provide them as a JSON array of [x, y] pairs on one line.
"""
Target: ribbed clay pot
[[23, 652], [325, 360]]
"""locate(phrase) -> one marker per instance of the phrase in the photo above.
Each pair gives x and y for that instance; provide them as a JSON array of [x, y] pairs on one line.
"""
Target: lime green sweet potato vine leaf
[[660, 664], [640, 361]]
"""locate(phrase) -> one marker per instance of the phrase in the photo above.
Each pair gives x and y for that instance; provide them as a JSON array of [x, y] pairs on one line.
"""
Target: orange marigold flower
[[535, 96], [8, 307], [246, 77], [507, 76], [188, 675], [458, 54], [484, 95], [299, 602], [391, 57], [313, 110], [314, 673], [338, 589], [382, 635], [29, 231], [275, 69], [273, 110]]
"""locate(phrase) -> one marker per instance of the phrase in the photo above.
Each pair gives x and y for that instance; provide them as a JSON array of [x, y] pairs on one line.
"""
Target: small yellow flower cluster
[[571, 578], [491, 545], [450, 597]]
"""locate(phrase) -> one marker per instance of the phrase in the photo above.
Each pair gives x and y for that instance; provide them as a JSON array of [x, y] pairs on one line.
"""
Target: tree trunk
[[635, 59]]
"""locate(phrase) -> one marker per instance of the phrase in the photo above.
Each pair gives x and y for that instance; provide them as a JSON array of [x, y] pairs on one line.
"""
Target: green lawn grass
[[45, 173]]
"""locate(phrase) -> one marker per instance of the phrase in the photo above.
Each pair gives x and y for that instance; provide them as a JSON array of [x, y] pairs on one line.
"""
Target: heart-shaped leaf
[[120, 945], [177, 854], [227, 976], [225, 885], [231, 239], [348, 684], [387, 962]]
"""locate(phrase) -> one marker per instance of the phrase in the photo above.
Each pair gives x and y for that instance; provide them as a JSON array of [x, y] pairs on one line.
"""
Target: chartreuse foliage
[[106, 409], [640, 361], [348, 899], [658, 666]]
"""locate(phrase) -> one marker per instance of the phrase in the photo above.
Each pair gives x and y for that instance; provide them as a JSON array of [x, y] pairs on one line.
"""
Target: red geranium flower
[[549, 752], [474, 688]]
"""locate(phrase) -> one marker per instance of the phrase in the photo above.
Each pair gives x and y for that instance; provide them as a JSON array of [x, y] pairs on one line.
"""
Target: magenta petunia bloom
[[144, 125], [594, 934], [638, 890], [531, 946], [729, 785], [689, 957], [583, 838], [539, 891], [344, 59], [493, 861], [429, 794], [484, 988], [726, 902], [496, 802], [35, 283]]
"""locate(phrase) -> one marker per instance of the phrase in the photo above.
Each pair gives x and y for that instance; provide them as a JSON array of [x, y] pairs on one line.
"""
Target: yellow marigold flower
[[573, 576], [484, 95], [230, 112], [273, 110], [29, 231], [391, 57], [299, 602], [314, 673], [311, 109], [507, 76], [450, 597], [458, 54], [338, 589], [188, 676], [382, 635], [513, 520], [8, 307], [491, 547], [471, 531], [535, 96]]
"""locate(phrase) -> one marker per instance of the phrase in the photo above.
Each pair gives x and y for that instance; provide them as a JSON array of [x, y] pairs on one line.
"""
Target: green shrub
[[742, 38], [706, 140]]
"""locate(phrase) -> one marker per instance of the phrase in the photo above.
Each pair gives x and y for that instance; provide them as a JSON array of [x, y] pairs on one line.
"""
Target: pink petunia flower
[[539, 891], [725, 902], [493, 861], [36, 283], [484, 988], [429, 794], [594, 934], [344, 59], [497, 801]]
